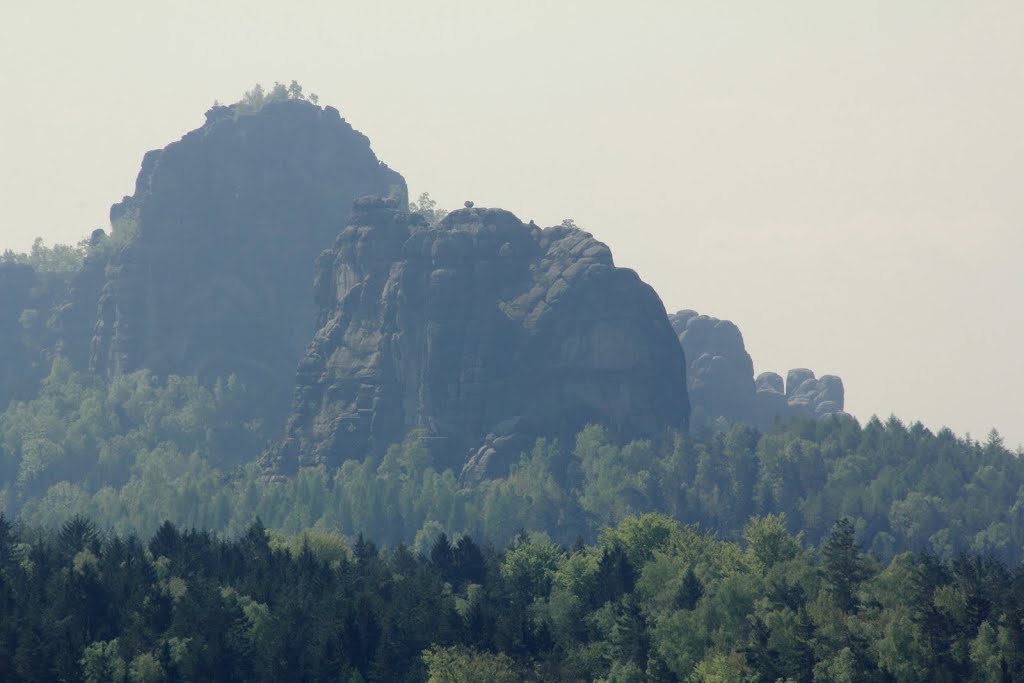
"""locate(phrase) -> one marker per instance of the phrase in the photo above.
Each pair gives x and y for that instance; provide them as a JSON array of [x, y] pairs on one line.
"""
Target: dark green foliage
[[844, 565], [690, 591], [188, 605], [139, 450]]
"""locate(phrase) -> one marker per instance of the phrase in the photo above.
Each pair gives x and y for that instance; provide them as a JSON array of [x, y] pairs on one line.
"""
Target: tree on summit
[[255, 99]]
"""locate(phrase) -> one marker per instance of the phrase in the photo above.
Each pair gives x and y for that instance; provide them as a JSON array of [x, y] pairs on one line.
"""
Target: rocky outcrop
[[721, 382], [477, 335], [218, 243], [73, 318], [812, 397], [720, 372]]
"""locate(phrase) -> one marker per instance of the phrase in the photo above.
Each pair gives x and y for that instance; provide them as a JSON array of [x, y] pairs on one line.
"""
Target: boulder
[[770, 381]]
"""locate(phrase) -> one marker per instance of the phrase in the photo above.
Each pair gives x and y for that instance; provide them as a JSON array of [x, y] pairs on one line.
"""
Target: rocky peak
[[721, 382], [478, 331], [218, 244]]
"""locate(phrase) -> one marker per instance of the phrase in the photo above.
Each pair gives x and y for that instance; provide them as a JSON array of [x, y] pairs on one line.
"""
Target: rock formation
[[73, 318], [721, 382], [217, 245], [477, 335], [720, 372]]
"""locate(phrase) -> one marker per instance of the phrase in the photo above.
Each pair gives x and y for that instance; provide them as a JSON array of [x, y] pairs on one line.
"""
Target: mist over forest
[[280, 420]]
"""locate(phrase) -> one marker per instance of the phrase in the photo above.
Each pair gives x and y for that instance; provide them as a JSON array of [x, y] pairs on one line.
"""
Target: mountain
[[211, 265], [481, 333], [476, 335]]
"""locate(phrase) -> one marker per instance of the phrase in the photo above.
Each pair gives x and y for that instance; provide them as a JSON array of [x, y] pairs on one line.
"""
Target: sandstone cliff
[[721, 381], [217, 245], [477, 335]]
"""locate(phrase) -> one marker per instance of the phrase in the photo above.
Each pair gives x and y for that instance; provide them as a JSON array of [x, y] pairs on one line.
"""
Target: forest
[[651, 600], [820, 550], [137, 451]]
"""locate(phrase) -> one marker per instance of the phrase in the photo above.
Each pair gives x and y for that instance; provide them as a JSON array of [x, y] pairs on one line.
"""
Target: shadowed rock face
[[480, 330], [719, 369], [721, 380], [227, 224], [73, 318]]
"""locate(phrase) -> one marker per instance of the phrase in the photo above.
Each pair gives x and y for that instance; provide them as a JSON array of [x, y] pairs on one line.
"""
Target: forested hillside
[[501, 462], [651, 601], [139, 450]]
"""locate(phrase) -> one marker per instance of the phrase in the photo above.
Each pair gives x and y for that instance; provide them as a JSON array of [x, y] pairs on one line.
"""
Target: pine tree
[[844, 566], [690, 592]]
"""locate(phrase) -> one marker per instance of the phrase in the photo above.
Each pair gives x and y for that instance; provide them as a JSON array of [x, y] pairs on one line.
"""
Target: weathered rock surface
[[720, 372], [214, 274], [720, 375], [477, 335], [73, 318]]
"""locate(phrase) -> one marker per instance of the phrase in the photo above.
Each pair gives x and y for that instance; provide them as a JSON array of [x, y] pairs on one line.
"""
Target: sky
[[843, 180]]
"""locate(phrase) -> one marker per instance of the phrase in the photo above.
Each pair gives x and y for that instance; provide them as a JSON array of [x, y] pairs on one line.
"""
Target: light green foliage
[[718, 667], [130, 453], [839, 668], [60, 259], [618, 480], [768, 542], [531, 565], [466, 665], [624, 672], [139, 450], [642, 536], [326, 546], [122, 230], [102, 663], [900, 648], [426, 536], [989, 650], [530, 498], [255, 99], [145, 669], [427, 207]]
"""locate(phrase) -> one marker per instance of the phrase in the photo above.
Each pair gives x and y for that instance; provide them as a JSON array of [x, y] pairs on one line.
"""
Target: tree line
[[139, 450], [651, 600]]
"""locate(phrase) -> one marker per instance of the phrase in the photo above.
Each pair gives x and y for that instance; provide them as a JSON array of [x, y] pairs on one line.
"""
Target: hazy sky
[[844, 180]]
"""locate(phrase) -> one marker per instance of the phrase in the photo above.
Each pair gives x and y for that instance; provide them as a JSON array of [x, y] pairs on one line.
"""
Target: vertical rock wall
[[481, 329]]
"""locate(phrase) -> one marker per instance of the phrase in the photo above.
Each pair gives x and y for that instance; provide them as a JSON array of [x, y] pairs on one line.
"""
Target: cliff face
[[482, 332], [73, 317], [721, 379], [219, 242]]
